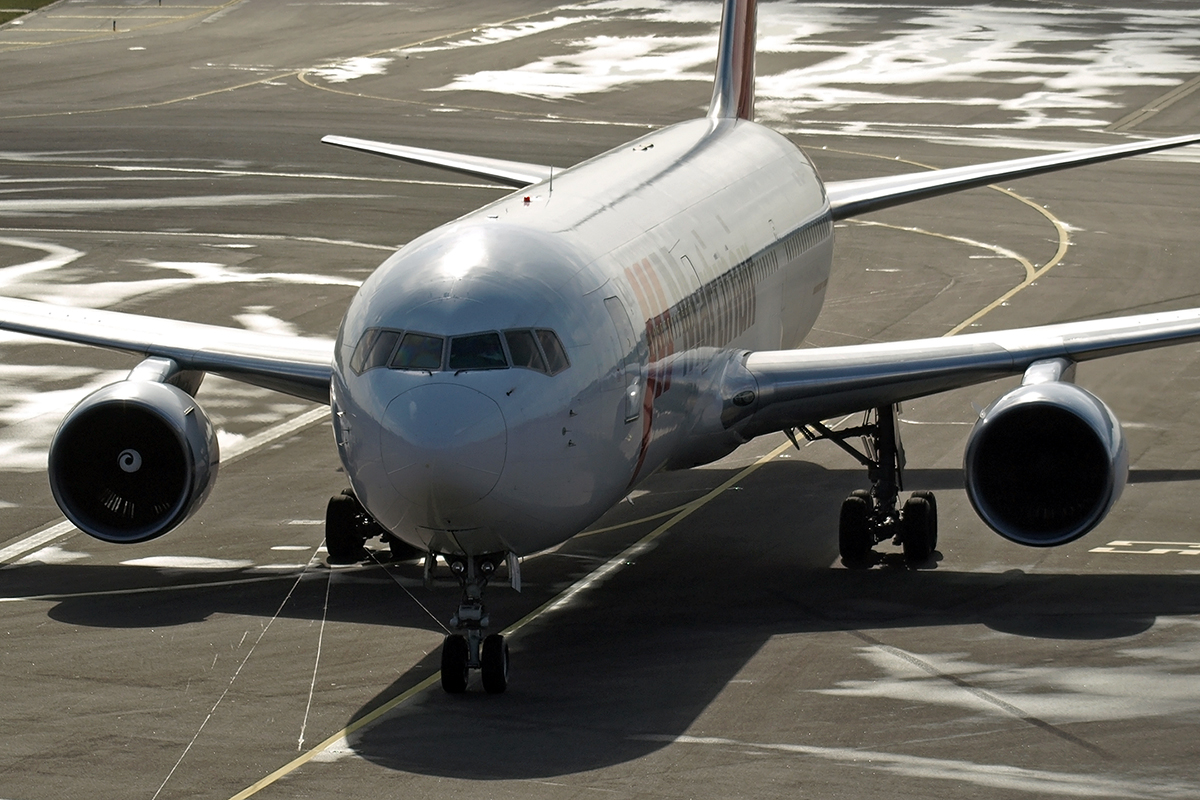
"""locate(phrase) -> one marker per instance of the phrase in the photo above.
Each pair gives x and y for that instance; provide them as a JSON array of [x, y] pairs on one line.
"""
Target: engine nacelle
[[1045, 463], [133, 460]]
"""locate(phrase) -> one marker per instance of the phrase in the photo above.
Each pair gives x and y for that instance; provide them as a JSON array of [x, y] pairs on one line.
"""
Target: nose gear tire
[[456, 657]]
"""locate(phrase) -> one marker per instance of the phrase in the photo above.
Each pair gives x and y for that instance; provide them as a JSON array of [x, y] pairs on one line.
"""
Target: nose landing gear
[[471, 649]]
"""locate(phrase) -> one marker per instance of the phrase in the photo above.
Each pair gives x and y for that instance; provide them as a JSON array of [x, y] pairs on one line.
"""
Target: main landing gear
[[870, 517], [348, 528], [470, 649]]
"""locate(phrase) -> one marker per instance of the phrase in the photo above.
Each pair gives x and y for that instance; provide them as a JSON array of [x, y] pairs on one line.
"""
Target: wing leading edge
[[850, 198], [296, 365], [510, 173], [797, 387]]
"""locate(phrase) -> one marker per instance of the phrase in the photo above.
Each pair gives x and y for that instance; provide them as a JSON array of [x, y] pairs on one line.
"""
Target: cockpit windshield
[[478, 351], [539, 350], [418, 351]]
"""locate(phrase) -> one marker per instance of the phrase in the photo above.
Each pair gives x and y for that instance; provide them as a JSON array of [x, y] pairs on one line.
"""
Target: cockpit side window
[[419, 351], [381, 349], [364, 347], [556, 356], [477, 351], [374, 349], [524, 350]]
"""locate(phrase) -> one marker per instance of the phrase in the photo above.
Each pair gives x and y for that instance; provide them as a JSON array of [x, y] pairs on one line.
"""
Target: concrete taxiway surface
[[173, 168]]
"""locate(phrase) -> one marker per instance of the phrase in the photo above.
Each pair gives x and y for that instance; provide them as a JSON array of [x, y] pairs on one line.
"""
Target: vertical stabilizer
[[733, 91]]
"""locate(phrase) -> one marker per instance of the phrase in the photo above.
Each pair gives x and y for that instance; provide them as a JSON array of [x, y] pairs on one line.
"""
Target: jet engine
[[1045, 462], [133, 460]]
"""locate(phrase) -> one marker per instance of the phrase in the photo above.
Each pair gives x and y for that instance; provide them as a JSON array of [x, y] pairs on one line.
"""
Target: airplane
[[503, 380]]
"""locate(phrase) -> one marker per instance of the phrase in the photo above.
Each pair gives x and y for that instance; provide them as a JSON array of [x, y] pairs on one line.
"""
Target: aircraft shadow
[[641, 658], [645, 653]]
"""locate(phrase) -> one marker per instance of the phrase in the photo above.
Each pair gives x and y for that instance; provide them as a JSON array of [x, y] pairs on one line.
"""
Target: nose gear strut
[[470, 649], [868, 518]]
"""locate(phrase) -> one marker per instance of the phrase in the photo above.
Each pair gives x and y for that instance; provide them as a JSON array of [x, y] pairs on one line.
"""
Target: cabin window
[[478, 351], [524, 350], [419, 351]]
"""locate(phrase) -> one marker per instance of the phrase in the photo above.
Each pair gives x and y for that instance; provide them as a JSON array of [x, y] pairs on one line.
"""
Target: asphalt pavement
[[703, 640]]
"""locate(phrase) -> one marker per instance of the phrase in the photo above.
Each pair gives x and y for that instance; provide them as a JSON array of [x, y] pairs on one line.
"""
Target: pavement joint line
[[609, 568], [1132, 120], [266, 237], [64, 528], [159, 589], [106, 33]]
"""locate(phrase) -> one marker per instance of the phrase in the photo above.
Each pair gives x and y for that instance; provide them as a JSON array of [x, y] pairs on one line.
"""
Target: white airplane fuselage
[[713, 236]]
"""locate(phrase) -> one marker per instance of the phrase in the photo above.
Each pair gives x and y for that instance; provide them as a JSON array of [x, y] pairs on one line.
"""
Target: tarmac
[[702, 640]]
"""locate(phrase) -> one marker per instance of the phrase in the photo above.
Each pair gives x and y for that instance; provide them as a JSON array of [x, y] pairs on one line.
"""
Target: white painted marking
[[1133, 547], [57, 257], [334, 752], [605, 63], [994, 776], [1058, 693], [291, 547], [305, 522], [1072, 74], [348, 69], [501, 34], [257, 319], [52, 555], [34, 541], [272, 434], [188, 562], [30, 412]]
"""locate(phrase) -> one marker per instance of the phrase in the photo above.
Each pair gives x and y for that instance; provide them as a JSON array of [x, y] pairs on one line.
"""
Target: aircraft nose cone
[[443, 445]]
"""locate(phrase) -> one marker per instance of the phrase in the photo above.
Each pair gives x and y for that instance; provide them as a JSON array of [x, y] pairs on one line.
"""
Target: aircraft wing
[[296, 365], [850, 198], [797, 387], [509, 173]]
